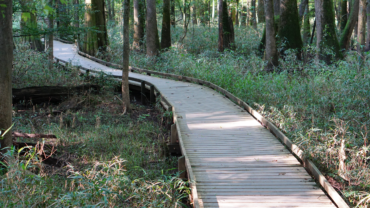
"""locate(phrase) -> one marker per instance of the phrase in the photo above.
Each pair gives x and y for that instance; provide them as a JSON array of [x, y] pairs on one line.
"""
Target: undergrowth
[[318, 106], [102, 158]]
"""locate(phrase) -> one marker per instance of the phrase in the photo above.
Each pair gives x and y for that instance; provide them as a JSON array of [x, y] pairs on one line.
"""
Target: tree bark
[[109, 8], [254, 16], [228, 29], [350, 25], [126, 56], [261, 11], [277, 7], [271, 51], [368, 26], [237, 13], [95, 18], [289, 27], [325, 31], [113, 12], [173, 14], [139, 23], [306, 25], [166, 25], [51, 38], [220, 27], [343, 15], [361, 26], [193, 11], [6, 63], [152, 47], [302, 9], [76, 17]]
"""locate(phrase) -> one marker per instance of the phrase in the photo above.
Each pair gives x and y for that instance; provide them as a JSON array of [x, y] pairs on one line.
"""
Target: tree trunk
[[95, 18], [166, 25], [350, 25], [237, 13], [271, 51], [139, 23], [243, 15], [261, 11], [277, 7], [151, 29], [109, 7], [51, 38], [193, 11], [325, 31], [76, 18], [254, 16], [289, 27], [6, 63], [227, 27], [343, 15], [173, 14], [213, 10], [368, 26], [126, 56], [302, 9], [113, 12], [220, 27], [306, 25], [361, 26]]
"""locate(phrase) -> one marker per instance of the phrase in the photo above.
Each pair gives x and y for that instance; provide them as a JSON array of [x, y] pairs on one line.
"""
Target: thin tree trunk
[[29, 26], [361, 26], [289, 27], [51, 38], [220, 27], [261, 11], [76, 17], [237, 13], [151, 29], [347, 32], [6, 63], [277, 7], [271, 51], [173, 14], [325, 26], [139, 23], [213, 10], [166, 25], [302, 9], [306, 25], [343, 15], [254, 16], [109, 7], [113, 12], [193, 11], [368, 26], [126, 56]]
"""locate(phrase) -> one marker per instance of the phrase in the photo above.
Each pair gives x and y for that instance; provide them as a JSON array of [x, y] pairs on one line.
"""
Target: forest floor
[[100, 157], [322, 108]]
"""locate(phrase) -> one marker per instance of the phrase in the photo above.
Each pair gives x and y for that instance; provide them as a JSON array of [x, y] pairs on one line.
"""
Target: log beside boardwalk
[[230, 151]]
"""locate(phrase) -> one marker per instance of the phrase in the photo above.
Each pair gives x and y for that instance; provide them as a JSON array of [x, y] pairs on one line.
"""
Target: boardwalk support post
[[173, 145], [152, 95], [143, 101], [182, 168]]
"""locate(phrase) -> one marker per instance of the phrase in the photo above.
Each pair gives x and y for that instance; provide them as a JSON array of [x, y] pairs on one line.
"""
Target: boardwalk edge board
[[308, 164]]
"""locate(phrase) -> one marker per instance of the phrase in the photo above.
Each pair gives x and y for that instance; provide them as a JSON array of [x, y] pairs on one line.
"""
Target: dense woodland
[[303, 64]]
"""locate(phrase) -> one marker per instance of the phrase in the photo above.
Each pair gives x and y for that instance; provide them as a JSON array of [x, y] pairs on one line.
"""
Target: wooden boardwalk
[[235, 160]]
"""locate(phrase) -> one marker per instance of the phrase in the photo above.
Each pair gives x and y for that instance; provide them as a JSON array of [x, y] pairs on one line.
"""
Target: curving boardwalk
[[235, 160]]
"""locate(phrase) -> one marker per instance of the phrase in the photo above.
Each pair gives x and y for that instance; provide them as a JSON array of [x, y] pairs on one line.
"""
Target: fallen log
[[50, 93], [24, 135]]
